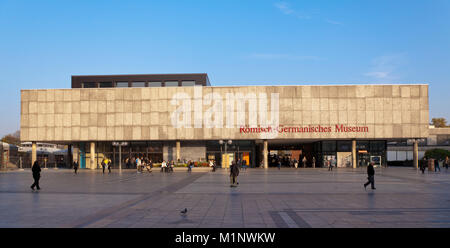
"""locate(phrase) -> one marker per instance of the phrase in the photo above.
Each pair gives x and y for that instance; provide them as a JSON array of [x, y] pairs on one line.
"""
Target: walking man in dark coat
[[75, 166], [36, 169], [108, 164], [234, 173], [446, 162], [103, 165], [423, 165], [370, 176], [436, 165]]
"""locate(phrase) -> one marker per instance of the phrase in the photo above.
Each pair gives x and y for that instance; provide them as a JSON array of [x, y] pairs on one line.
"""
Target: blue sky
[[241, 42]]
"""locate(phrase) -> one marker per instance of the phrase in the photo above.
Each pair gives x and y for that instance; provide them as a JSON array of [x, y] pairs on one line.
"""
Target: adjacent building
[[399, 151]]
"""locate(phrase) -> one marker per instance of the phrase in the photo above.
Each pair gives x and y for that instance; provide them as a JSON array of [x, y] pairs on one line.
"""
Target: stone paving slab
[[292, 198]]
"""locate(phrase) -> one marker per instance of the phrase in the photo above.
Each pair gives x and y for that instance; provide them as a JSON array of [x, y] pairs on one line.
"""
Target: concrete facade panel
[[397, 111]]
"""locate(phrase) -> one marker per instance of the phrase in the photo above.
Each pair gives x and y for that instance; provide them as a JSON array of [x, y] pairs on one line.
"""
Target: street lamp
[[229, 142]]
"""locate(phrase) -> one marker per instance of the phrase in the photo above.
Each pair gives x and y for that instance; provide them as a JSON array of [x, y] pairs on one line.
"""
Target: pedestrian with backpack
[[370, 176], [234, 173]]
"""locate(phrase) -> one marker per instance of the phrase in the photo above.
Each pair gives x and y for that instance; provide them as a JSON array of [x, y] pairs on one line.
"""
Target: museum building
[[182, 117]]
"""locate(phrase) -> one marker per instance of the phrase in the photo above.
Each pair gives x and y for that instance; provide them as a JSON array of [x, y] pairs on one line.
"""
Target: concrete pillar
[[178, 157], [354, 162], [120, 157], [70, 156], [92, 155], [266, 154], [76, 154], [416, 154], [33, 152]]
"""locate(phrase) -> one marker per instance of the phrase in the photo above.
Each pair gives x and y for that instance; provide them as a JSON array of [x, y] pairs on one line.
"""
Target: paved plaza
[[293, 198]]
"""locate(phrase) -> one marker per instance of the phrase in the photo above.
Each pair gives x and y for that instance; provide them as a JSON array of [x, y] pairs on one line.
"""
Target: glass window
[[106, 84], [317, 147], [89, 85], [187, 83], [122, 84], [138, 84], [213, 145], [377, 146], [171, 83], [402, 142], [154, 84], [155, 148], [329, 146], [423, 142], [344, 146], [443, 140], [362, 145]]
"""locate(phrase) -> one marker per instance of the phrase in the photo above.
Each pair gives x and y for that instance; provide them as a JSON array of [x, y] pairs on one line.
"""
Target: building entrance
[[238, 149], [130, 151], [289, 153], [316, 153]]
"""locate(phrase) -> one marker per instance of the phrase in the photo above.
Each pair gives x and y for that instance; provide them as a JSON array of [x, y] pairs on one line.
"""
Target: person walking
[[127, 163], [370, 176], [189, 164], [138, 165], [423, 165], [279, 164], [108, 164], [314, 162], [295, 163], [143, 163], [103, 165], [163, 166], [446, 162], [75, 166], [171, 165], [149, 166], [330, 165], [36, 169], [234, 173], [334, 162], [211, 164], [304, 161], [436, 165]]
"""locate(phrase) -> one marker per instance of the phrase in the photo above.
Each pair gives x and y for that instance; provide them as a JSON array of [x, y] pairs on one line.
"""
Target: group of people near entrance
[[428, 162], [167, 166], [293, 163], [142, 163]]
